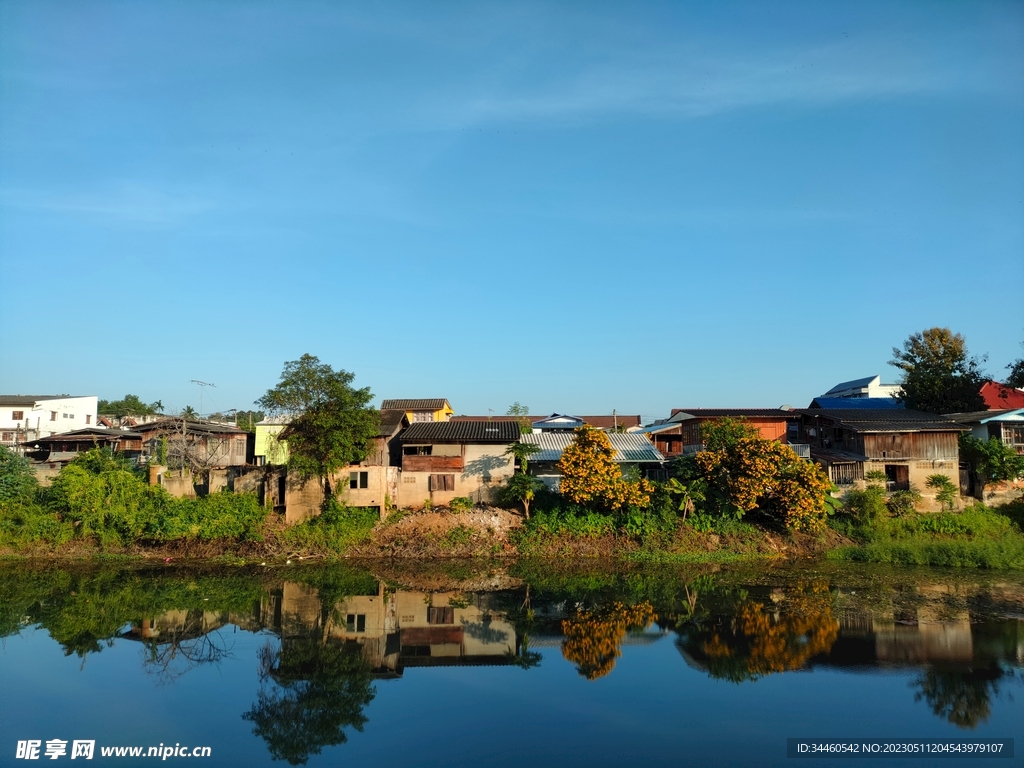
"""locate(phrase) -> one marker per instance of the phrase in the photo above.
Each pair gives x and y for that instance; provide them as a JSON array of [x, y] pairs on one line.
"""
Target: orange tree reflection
[[593, 638]]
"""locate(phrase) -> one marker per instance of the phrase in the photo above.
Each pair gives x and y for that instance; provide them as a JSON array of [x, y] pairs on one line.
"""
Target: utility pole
[[202, 388]]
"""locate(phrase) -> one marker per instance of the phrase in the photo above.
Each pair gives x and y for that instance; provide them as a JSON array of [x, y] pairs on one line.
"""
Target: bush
[[902, 503], [946, 491], [865, 507], [334, 531], [460, 504]]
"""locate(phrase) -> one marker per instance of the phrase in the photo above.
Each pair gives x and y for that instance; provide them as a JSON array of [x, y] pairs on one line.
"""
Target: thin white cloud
[[130, 203]]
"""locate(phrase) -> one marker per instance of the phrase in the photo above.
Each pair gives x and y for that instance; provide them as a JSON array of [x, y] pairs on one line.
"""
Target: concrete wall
[[485, 469]]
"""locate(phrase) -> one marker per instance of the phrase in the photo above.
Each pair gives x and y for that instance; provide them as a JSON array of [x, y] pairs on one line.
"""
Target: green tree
[[17, 483], [311, 692], [129, 405], [188, 412], [725, 434], [1016, 369], [523, 414], [331, 421], [946, 491], [248, 420], [938, 374], [521, 488], [992, 459]]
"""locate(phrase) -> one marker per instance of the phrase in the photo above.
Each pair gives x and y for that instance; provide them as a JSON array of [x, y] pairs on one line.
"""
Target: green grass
[[977, 537], [333, 532]]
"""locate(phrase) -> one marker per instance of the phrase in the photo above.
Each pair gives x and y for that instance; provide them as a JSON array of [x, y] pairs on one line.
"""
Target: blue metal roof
[[849, 403]]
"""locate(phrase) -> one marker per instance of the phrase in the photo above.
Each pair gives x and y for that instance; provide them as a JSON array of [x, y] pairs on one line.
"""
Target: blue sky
[[578, 206]]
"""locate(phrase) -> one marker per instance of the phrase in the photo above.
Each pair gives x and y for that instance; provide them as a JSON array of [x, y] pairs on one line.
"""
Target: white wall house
[[869, 386], [24, 418]]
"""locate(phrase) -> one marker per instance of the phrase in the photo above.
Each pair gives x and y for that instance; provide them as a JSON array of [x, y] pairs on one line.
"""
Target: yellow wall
[[267, 444]]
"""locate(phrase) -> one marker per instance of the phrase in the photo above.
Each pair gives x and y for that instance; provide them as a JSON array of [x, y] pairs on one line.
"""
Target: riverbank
[[977, 537]]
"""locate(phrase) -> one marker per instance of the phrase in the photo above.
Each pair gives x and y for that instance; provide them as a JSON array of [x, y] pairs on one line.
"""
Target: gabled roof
[[425, 404], [391, 421], [886, 420], [193, 427], [864, 383], [88, 433], [558, 421], [858, 403], [998, 395], [461, 432], [984, 417], [601, 422], [686, 414], [629, 446]]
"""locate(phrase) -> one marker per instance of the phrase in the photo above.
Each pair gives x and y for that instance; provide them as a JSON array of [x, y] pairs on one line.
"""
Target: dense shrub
[[333, 531]]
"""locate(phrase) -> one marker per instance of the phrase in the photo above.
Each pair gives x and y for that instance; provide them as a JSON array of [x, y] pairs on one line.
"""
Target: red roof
[[998, 396]]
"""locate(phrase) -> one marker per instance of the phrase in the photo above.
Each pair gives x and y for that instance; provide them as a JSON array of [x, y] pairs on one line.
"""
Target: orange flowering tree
[[754, 473], [591, 476], [761, 638], [593, 639]]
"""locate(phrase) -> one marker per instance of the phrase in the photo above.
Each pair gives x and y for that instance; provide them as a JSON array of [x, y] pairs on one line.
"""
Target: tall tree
[[592, 477], [938, 374], [331, 421], [523, 414], [129, 405], [1016, 369]]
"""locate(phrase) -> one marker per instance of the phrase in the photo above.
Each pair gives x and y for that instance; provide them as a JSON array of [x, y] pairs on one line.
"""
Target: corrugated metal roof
[[983, 417], [424, 404], [855, 403], [685, 414], [462, 431], [85, 434], [6, 400], [886, 420], [629, 446], [854, 384]]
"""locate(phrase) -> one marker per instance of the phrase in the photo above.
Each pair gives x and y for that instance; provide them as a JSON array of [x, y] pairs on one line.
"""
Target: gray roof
[[685, 414], [629, 446], [87, 433], [391, 421], [174, 424], [983, 417], [461, 432], [29, 399], [425, 404], [886, 420], [854, 384]]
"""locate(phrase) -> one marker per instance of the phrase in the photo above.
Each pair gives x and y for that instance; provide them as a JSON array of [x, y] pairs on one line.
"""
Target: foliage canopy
[[938, 374], [331, 421]]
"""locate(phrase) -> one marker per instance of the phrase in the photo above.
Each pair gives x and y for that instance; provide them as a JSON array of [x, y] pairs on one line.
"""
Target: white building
[[28, 417], [869, 386]]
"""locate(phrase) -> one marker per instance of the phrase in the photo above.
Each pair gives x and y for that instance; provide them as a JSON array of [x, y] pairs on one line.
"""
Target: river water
[[534, 664]]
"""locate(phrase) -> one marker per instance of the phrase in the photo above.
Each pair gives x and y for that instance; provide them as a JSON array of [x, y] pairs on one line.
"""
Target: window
[[65, 415], [416, 450], [423, 416], [88, 419], [441, 483], [355, 622], [358, 479], [17, 415], [440, 615], [7, 437], [53, 415]]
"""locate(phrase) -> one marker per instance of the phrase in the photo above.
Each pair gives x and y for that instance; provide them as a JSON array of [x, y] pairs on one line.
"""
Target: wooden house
[[906, 445], [66, 446], [680, 433], [422, 409]]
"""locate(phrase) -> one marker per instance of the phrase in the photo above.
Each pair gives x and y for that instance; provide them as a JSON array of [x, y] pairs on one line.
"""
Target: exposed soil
[[482, 531]]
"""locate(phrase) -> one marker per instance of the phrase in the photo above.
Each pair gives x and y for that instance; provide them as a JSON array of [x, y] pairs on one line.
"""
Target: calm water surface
[[506, 666]]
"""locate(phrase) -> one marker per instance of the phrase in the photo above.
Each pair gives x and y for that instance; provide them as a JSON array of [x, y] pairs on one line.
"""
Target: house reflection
[[404, 628]]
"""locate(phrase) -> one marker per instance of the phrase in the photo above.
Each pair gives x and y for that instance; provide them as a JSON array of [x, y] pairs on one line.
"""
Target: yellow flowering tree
[[754, 473], [593, 639], [591, 476]]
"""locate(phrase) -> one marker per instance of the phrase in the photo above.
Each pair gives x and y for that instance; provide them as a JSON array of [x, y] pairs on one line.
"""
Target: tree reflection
[[761, 638], [962, 696], [593, 639], [310, 691]]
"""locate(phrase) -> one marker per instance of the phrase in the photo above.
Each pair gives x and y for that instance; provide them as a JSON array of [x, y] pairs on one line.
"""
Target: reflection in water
[[335, 631], [593, 638], [310, 692], [961, 696], [755, 639]]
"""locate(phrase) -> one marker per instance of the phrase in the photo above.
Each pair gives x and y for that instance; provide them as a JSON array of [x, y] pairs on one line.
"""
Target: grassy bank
[[976, 537]]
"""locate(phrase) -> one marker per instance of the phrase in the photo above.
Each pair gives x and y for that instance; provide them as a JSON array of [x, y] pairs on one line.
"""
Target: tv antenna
[[202, 388]]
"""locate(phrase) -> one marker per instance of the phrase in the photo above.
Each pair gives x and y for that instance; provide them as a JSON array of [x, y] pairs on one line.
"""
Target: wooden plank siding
[[433, 463], [922, 446]]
